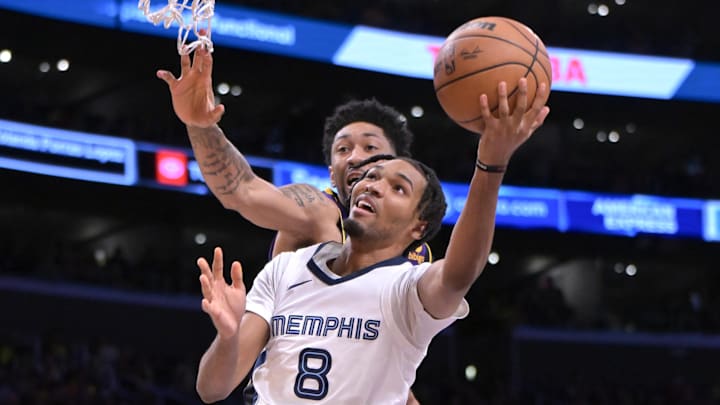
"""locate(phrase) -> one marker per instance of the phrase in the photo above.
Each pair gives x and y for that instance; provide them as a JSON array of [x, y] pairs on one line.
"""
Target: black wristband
[[488, 168]]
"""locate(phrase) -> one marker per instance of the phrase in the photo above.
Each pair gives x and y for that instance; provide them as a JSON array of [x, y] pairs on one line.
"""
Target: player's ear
[[332, 176], [418, 231]]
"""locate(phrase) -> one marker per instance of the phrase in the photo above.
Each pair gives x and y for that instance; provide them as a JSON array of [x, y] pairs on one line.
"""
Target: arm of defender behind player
[[298, 209], [240, 335], [445, 283]]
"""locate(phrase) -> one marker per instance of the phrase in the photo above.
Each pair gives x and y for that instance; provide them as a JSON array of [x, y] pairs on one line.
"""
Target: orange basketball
[[477, 56]]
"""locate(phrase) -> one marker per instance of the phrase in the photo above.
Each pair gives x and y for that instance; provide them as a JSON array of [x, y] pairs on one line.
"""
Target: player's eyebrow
[[347, 135], [403, 176], [407, 179]]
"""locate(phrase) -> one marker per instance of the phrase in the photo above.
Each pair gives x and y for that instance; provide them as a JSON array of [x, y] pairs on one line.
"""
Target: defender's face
[[385, 202], [354, 143]]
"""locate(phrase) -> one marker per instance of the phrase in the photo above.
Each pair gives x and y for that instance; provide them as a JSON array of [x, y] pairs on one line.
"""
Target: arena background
[[100, 300]]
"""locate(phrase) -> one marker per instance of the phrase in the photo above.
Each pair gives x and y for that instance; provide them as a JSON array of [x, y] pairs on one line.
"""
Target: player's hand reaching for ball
[[192, 93], [503, 135], [224, 303]]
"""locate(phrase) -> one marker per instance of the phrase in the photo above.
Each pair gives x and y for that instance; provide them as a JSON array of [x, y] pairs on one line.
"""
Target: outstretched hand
[[502, 136], [224, 303], [192, 94]]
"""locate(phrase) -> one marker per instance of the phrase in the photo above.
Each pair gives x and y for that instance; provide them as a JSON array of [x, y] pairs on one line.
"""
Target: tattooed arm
[[298, 209]]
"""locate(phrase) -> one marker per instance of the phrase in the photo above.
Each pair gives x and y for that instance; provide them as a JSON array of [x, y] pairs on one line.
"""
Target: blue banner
[[393, 52], [113, 160], [69, 154], [635, 214], [101, 13], [245, 28]]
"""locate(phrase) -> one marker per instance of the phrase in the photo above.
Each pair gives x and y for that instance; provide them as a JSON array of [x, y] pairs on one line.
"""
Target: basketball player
[[349, 323], [302, 214]]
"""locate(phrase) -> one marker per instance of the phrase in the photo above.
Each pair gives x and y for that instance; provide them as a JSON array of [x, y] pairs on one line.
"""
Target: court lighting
[[63, 65], [417, 111], [470, 372], [223, 88], [493, 258], [5, 56]]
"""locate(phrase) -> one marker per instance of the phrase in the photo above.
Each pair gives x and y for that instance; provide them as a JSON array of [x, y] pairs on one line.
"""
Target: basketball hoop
[[202, 12]]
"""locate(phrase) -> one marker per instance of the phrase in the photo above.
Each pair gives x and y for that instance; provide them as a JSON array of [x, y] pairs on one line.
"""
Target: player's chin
[[354, 227]]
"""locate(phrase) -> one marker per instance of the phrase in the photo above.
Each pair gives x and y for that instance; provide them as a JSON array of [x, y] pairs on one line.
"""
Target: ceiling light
[[63, 65], [223, 88], [5, 56], [200, 238], [493, 258], [417, 111], [614, 136], [470, 372]]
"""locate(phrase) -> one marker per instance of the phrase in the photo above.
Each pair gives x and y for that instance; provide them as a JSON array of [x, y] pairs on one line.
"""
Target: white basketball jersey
[[356, 339]]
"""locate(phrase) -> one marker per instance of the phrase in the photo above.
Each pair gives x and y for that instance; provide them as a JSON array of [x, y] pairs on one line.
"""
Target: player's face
[[354, 143], [384, 203]]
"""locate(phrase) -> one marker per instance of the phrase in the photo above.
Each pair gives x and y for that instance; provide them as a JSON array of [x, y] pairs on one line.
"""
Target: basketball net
[[202, 12]]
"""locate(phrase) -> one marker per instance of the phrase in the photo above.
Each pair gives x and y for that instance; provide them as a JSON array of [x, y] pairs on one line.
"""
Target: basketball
[[478, 55]]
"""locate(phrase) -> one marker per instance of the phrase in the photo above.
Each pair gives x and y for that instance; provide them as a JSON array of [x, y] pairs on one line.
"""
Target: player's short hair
[[393, 124], [432, 205]]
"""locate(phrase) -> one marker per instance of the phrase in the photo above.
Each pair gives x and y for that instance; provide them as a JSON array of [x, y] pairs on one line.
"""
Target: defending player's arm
[[298, 209], [240, 335], [445, 283]]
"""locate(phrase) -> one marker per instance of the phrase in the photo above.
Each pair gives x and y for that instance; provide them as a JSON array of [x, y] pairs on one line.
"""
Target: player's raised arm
[[240, 335], [225, 170], [447, 281]]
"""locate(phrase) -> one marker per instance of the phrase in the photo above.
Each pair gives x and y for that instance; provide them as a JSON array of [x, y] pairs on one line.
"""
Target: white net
[[200, 14]]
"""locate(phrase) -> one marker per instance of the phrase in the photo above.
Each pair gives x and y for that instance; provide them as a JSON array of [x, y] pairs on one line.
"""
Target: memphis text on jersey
[[312, 325]]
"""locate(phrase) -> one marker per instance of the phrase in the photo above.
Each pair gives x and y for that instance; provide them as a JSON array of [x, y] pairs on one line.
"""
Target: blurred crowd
[[45, 369], [534, 300], [48, 370]]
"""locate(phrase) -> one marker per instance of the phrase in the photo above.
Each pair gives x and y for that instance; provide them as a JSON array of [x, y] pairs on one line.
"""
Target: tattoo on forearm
[[302, 194], [223, 166], [211, 137]]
